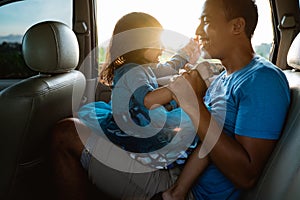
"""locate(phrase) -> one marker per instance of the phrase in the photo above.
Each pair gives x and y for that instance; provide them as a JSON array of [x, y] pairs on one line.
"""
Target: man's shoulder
[[262, 68], [261, 73], [261, 64]]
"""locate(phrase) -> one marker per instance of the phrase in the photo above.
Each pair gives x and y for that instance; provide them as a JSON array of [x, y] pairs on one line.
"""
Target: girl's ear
[[238, 25]]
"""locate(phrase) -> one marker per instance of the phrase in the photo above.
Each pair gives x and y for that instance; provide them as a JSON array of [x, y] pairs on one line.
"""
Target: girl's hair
[[129, 21]]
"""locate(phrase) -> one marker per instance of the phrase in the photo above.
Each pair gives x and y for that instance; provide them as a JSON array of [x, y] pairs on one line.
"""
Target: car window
[[178, 16], [15, 19], [263, 36]]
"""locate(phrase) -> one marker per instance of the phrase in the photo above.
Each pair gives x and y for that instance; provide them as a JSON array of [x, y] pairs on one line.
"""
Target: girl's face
[[152, 55]]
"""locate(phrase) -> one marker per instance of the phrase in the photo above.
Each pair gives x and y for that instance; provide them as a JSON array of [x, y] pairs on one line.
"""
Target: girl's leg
[[116, 174], [69, 178]]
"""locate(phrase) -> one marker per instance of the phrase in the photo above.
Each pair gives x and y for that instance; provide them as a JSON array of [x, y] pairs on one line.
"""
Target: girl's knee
[[64, 132], [69, 135]]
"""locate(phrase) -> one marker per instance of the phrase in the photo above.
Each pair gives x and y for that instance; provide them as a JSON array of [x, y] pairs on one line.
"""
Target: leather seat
[[30, 108], [281, 177]]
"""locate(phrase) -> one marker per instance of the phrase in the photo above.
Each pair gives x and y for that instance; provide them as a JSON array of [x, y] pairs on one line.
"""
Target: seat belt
[[287, 28], [82, 33]]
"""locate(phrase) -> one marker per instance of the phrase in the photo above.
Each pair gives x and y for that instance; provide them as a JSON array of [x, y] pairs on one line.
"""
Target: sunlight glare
[[173, 41]]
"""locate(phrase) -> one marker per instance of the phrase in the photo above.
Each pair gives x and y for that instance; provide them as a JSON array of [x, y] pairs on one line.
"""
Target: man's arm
[[241, 159], [190, 173]]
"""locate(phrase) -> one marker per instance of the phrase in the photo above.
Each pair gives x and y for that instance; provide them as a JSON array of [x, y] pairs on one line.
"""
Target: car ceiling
[[3, 2]]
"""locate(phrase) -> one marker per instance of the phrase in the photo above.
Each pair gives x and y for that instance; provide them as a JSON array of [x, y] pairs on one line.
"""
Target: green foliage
[[12, 64], [102, 52], [263, 50]]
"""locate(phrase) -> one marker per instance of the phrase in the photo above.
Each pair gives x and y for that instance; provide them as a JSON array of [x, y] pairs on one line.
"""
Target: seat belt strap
[[287, 29]]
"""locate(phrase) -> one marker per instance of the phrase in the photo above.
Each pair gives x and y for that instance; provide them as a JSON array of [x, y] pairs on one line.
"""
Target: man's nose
[[199, 29]]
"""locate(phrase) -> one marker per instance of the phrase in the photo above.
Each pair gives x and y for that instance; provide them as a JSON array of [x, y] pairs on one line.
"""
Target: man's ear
[[238, 25]]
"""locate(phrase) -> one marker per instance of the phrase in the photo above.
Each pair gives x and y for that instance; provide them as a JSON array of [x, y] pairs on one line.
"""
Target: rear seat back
[[281, 177]]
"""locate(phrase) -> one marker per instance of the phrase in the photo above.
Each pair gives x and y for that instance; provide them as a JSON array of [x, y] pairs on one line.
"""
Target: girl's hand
[[205, 71], [192, 50]]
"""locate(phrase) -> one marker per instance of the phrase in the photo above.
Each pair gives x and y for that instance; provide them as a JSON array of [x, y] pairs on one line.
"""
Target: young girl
[[136, 119]]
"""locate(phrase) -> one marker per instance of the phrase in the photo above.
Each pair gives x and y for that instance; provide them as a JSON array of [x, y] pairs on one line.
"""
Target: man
[[252, 92], [252, 96]]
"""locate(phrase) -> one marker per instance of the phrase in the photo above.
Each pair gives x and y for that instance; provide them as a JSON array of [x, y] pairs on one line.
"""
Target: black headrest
[[50, 47]]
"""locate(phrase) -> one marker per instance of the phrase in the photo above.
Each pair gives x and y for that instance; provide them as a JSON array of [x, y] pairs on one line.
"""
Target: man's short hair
[[246, 9]]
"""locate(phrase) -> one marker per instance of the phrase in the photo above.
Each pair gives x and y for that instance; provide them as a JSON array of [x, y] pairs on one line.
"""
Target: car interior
[[62, 61], [25, 105]]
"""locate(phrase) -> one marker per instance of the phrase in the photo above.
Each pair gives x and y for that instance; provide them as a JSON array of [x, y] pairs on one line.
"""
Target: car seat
[[30, 108], [281, 177]]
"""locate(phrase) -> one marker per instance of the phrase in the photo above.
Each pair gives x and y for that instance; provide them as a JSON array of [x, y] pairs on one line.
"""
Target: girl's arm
[[158, 97], [189, 53]]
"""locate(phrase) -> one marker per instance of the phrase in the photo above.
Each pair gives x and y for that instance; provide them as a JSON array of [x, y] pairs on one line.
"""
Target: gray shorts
[[119, 176]]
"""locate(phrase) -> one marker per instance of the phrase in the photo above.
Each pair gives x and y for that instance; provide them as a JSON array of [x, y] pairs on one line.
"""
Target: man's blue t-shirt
[[251, 102]]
